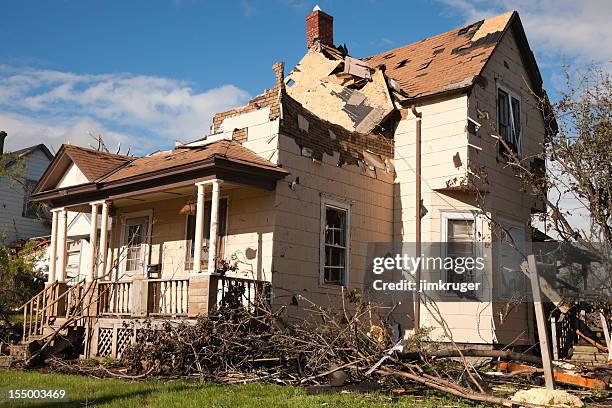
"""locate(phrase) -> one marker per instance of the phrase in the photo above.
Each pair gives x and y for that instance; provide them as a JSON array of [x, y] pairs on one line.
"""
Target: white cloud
[[557, 29], [27, 130], [53, 107]]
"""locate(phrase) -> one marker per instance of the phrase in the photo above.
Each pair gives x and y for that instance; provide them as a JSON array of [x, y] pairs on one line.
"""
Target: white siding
[[73, 176], [12, 224]]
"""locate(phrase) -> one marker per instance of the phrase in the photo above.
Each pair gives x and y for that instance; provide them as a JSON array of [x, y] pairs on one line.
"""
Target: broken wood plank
[[606, 330], [591, 341], [541, 323], [576, 379]]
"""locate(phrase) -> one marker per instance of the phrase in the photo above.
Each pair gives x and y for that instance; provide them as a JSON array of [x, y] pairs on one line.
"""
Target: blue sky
[[146, 73]]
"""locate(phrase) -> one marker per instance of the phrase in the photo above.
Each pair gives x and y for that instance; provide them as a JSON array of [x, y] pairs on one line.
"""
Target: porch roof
[[187, 155], [223, 159]]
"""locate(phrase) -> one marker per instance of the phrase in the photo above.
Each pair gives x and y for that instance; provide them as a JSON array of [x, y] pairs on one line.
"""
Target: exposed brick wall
[[349, 144], [319, 25], [269, 98], [240, 135]]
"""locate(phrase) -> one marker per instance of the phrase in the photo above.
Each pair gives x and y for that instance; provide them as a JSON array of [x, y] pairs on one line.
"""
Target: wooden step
[[584, 348], [596, 357]]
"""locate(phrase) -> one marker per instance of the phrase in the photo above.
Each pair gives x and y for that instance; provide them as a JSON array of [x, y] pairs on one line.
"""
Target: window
[[509, 121], [460, 239], [30, 209], [190, 231], [335, 242], [135, 231]]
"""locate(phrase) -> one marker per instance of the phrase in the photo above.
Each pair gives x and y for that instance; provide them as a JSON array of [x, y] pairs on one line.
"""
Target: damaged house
[[291, 189]]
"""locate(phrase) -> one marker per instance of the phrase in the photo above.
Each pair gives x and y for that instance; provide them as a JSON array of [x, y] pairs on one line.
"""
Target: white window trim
[[330, 202], [122, 248], [516, 96], [466, 215]]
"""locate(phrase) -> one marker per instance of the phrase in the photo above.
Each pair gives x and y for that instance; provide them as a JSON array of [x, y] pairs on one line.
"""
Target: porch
[[171, 236], [151, 256], [159, 253]]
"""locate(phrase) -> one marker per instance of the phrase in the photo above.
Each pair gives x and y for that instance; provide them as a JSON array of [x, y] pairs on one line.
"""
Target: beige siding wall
[[298, 220], [504, 197], [73, 176], [443, 137], [248, 240], [444, 160], [505, 200]]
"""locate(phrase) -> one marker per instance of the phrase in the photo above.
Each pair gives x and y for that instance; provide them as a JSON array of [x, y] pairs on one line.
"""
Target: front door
[[135, 240]]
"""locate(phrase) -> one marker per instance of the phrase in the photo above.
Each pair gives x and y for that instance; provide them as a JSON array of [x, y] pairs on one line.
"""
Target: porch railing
[[233, 292], [58, 300], [114, 298], [168, 297]]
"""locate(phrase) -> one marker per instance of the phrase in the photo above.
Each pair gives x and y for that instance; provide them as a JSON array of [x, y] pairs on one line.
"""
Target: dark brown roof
[[446, 61], [95, 164], [182, 156]]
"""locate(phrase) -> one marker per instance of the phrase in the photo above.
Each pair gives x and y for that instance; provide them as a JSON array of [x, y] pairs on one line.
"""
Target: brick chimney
[[320, 26]]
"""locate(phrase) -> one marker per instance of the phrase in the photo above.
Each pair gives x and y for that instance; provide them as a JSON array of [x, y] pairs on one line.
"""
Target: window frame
[[188, 260], [123, 273], [327, 202], [467, 215], [511, 95]]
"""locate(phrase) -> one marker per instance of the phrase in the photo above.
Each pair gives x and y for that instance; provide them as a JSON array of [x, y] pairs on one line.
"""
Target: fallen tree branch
[[455, 390], [450, 353]]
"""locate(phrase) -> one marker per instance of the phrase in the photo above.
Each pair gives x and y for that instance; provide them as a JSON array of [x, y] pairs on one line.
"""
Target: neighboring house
[[20, 218], [297, 184]]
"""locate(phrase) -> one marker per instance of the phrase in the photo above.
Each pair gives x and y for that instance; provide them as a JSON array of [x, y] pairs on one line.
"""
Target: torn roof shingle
[[444, 62]]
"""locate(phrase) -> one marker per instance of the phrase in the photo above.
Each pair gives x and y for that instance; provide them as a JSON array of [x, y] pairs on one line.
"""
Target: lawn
[[87, 391]]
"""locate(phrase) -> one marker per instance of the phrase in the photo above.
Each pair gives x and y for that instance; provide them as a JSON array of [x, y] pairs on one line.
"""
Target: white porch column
[[61, 247], [53, 246], [199, 230], [93, 242], [103, 240], [214, 226]]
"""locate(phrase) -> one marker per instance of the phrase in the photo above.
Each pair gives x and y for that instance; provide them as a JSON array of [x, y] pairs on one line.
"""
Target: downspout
[[417, 293]]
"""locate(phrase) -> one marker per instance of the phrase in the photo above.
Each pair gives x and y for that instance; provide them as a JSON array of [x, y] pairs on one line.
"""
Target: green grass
[[87, 391], [15, 318]]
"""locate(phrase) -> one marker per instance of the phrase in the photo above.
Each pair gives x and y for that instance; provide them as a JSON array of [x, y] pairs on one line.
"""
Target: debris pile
[[354, 345]]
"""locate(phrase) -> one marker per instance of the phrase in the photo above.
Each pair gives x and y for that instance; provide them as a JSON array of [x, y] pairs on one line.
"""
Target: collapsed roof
[[359, 94]]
